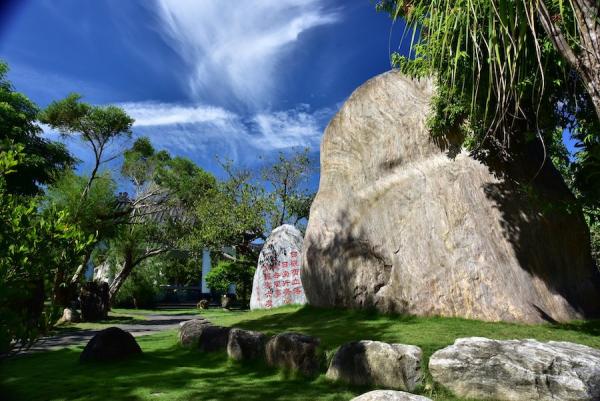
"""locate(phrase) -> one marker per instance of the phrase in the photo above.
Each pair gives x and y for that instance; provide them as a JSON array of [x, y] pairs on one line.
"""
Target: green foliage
[[141, 289], [44, 159], [34, 248], [96, 124], [95, 215], [289, 199], [228, 272]]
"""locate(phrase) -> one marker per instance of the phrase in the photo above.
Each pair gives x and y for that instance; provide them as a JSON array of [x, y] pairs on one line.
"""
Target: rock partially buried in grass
[[246, 345], [376, 363], [294, 352], [389, 395], [518, 370], [110, 344], [190, 331]]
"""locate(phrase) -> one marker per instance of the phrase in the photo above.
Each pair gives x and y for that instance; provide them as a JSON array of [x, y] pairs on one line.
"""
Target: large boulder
[[405, 223], [518, 370], [190, 331], [94, 301], [375, 363], [294, 352], [246, 344], [277, 279], [111, 344], [389, 395]]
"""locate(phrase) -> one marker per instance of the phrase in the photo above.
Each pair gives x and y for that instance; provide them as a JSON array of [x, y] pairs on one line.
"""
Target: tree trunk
[[586, 61], [120, 278], [81, 268]]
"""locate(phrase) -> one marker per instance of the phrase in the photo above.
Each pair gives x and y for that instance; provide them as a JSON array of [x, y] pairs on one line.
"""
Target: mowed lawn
[[167, 372]]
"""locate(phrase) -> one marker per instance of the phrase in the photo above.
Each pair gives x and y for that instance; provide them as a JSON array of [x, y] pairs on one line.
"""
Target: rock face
[[518, 370], [110, 344], [403, 223], [190, 331], [375, 363], [293, 351], [389, 395], [246, 345], [277, 279]]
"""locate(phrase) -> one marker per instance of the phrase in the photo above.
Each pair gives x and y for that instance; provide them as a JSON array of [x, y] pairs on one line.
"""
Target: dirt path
[[152, 324]]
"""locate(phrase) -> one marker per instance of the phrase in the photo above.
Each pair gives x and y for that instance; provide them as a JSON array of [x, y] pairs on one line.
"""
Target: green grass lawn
[[166, 372]]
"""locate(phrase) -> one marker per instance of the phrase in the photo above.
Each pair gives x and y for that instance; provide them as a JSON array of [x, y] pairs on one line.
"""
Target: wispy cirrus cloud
[[204, 131], [234, 50]]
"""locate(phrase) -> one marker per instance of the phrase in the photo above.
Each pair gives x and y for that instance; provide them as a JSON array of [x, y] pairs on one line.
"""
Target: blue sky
[[201, 78]]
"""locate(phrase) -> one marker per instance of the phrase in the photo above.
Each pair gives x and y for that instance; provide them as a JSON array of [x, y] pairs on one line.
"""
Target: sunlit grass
[[166, 372]]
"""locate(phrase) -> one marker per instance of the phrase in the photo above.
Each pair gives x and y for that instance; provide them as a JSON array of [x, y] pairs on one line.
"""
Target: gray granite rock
[[246, 344], [190, 331], [375, 363], [404, 223], [277, 280], [294, 352], [518, 370], [389, 395]]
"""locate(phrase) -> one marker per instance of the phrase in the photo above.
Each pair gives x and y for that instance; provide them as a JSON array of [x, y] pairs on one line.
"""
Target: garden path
[[153, 324]]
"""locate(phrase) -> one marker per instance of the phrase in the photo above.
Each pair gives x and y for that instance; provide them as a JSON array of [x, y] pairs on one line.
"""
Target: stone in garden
[[518, 370], [70, 316], [389, 395], [375, 363], [202, 304], [246, 344], [213, 338], [294, 352], [277, 280], [190, 331], [94, 301], [404, 223], [110, 344]]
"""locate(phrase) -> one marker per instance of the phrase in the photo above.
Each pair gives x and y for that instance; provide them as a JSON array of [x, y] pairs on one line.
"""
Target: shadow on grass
[[166, 372], [162, 373]]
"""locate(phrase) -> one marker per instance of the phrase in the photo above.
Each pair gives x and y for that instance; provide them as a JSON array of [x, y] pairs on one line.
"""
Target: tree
[[227, 272], [44, 160], [98, 216], [290, 200], [159, 214], [98, 126], [34, 247]]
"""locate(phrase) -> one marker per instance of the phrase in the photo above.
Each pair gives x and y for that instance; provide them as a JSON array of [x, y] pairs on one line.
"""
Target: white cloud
[[234, 49], [199, 130], [154, 114], [291, 128]]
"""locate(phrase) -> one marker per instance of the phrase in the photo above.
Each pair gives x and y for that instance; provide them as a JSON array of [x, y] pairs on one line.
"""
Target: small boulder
[[213, 338], [389, 395], [518, 370], [293, 351], [245, 344], [376, 363], [110, 344], [190, 331], [70, 316]]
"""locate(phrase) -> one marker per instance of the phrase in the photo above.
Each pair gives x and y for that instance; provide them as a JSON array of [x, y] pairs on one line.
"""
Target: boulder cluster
[[481, 368]]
